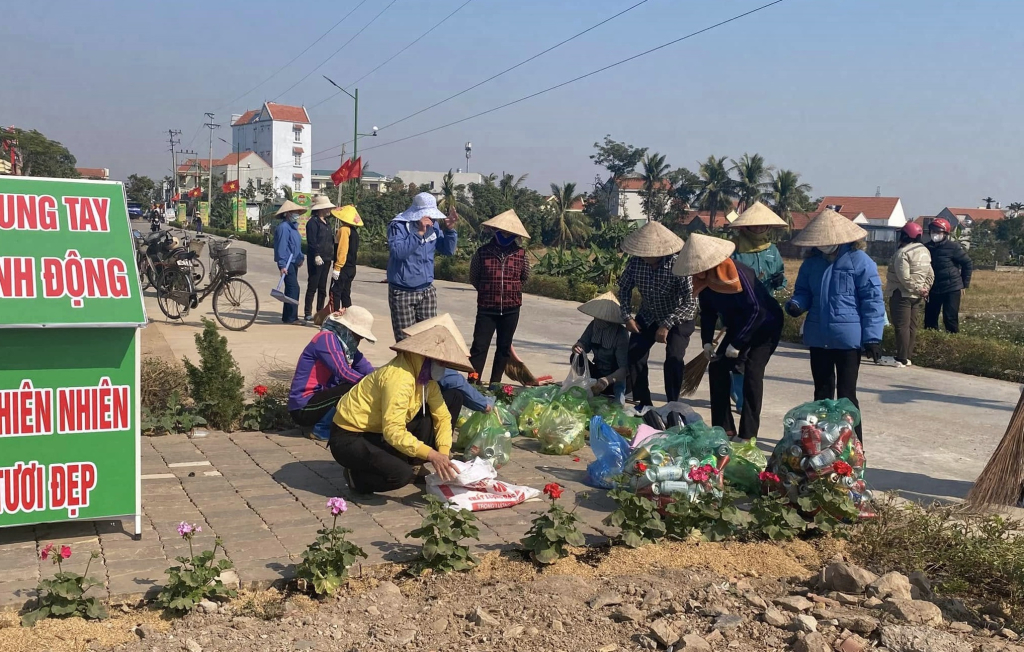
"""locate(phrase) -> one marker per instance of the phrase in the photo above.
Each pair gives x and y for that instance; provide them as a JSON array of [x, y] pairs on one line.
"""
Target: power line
[[321, 65], [392, 57], [278, 71], [576, 79]]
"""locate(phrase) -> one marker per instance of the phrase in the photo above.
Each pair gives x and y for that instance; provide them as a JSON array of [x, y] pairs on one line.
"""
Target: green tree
[[512, 190], [618, 158], [42, 157], [454, 196], [141, 189], [788, 194], [753, 178], [569, 226], [655, 192], [1015, 208], [717, 188]]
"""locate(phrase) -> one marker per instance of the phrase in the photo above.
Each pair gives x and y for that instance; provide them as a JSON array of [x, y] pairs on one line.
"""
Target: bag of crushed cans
[[474, 425], [686, 461], [560, 431], [818, 441], [491, 444]]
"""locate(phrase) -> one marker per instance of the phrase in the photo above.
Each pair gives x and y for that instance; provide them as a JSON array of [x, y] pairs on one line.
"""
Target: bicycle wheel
[[235, 304], [198, 272], [173, 293], [145, 273]]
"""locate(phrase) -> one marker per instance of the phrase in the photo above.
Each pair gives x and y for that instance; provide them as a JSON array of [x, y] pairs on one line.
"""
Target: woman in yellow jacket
[[396, 417]]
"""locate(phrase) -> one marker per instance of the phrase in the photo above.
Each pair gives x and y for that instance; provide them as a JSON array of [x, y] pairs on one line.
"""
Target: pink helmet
[[912, 230], [939, 224]]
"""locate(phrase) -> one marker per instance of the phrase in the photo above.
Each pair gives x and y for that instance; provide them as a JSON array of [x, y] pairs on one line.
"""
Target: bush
[[64, 595], [442, 530], [216, 384], [269, 410], [196, 578], [160, 380], [175, 418]]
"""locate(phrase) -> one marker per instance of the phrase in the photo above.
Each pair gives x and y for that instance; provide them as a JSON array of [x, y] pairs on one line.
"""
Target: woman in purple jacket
[[330, 365]]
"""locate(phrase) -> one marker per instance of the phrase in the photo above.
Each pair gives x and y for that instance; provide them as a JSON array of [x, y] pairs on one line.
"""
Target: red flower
[[702, 473], [65, 552], [260, 390], [554, 490], [842, 468], [768, 476], [640, 467], [46, 551]]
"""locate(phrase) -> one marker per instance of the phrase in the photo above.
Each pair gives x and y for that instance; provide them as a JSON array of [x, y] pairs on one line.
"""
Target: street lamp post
[[355, 135], [469, 152]]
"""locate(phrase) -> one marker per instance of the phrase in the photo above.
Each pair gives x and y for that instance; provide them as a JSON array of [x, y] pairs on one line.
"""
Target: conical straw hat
[[508, 222], [348, 215], [651, 240], [321, 202], [605, 307], [289, 207], [759, 215], [701, 253], [441, 320], [437, 343], [829, 228]]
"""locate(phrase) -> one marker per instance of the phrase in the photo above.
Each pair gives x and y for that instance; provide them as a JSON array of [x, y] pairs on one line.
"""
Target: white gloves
[[731, 352], [319, 261], [335, 274], [709, 350]]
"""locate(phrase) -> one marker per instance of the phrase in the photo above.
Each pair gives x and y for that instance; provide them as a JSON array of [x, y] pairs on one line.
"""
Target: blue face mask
[[504, 239]]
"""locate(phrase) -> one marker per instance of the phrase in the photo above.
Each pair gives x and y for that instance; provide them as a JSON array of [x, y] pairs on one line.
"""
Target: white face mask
[[938, 237], [436, 371], [828, 250]]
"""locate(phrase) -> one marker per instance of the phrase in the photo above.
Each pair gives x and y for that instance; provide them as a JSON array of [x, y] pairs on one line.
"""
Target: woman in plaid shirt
[[667, 308]]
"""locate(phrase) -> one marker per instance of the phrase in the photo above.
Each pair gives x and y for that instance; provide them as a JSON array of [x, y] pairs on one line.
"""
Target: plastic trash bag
[[579, 374], [745, 464], [464, 414], [529, 420], [544, 394], [560, 431], [576, 401], [473, 426], [680, 450], [611, 451], [507, 419], [491, 444]]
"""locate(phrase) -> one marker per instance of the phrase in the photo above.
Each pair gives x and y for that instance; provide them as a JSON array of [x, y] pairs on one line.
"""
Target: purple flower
[[186, 531], [337, 506]]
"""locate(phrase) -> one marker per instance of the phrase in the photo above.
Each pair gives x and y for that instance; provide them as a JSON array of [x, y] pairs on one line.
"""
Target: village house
[[881, 217], [282, 136]]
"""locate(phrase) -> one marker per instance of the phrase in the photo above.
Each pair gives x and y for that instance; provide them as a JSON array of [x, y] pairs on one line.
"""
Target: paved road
[[927, 432]]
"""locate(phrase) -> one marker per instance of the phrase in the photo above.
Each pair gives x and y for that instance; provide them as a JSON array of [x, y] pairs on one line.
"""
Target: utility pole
[[209, 197], [355, 136], [172, 137]]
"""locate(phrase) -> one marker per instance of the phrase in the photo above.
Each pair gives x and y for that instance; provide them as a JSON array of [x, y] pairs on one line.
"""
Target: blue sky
[[915, 96]]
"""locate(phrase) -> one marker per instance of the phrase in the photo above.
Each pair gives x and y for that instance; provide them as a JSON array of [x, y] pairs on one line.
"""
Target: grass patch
[[161, 378]]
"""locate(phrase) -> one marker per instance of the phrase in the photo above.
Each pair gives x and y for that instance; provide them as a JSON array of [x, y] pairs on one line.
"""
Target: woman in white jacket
[[907, 283]]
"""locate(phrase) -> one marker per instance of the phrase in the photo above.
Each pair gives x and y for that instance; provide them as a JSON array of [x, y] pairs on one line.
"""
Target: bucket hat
[[829, 228], [508, 222], [320, 203], [605, 307], [357, 319], [441, 320], [423, 204], [758, 215], [436, 343], [348, 215], [701, 253], [289, 207], [651, 240]]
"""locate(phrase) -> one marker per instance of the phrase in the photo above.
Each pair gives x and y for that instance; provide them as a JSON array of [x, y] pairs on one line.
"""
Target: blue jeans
[[290, 312]]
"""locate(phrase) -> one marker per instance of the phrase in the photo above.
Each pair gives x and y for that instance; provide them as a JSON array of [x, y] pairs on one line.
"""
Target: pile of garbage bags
[[818, 441], [484, 435]]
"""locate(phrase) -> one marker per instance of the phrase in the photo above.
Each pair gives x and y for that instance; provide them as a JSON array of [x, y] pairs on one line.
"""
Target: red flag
[[341, 175], [195, 192], [230, 186], [176, 197], [356, 171]]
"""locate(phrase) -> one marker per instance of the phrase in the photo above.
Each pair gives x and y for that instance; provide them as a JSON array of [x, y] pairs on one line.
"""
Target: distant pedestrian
[[319, 254], [755, 249], [198, 222], [953, 269], [839, 289], [667, 308], [346, 255], [498, 270], [413, 237], [288, 256], [908, 283]]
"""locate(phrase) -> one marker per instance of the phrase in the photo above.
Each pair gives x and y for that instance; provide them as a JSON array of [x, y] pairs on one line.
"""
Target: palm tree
[[717, 188], [451, 198], [1016, 208], [510, 187], [753, 179], [570, 226], [654, 195], [786, 194]]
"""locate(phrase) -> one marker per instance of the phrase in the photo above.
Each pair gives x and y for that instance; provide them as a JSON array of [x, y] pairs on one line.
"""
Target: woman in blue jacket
[[839, 289], [288, 256]]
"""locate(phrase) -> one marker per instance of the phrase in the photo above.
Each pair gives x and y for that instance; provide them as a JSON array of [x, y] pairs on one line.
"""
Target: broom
[[1002, 480], [694, 370], [517, 371]]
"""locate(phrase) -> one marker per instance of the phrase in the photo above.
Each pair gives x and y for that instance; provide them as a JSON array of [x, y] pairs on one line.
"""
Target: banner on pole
[[240, 210], [204, 212]]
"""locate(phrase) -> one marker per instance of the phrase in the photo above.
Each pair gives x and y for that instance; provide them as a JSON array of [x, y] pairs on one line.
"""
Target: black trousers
[[751, 364], [949, 304], [486, 324], [317, 285], [341, 290], [835, 374], [675, 359], [319, 404]]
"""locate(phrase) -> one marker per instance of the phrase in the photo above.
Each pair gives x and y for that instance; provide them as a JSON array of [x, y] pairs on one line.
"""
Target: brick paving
[[265, 496]]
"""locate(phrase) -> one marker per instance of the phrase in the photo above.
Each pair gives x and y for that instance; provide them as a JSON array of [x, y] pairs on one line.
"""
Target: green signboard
[[204, 212], [70, 309], [240, 210], [179, 212]]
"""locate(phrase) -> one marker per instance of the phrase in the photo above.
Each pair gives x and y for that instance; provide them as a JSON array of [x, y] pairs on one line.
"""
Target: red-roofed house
[[192, 172], [244, 166], [880, 216], [627, 202], [282, 137], [101, 174], [958, 216]]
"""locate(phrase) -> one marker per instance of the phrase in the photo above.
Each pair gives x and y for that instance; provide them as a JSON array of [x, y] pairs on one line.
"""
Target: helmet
[[939, 224], [912, 230]]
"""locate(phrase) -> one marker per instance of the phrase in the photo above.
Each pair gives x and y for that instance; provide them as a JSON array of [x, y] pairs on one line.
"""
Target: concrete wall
[[629, 204]]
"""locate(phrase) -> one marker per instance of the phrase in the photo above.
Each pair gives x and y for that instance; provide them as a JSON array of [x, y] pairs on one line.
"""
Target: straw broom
[[694, 370], [517, 371], [1002, 480]]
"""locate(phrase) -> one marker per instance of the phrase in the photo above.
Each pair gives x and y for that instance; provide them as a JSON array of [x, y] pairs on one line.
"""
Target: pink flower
[[507, 390], [702, 473], [337, 506], [65, 552], [186, 531], [767, 476], [45, 554]]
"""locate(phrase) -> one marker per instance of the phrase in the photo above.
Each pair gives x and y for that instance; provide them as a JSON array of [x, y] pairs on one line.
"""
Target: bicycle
[[235, 304]]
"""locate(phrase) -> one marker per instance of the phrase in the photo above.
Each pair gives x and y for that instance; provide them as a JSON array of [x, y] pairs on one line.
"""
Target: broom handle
[[718, 337]]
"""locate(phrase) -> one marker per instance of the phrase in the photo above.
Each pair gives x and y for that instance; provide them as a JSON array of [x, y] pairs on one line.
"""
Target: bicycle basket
[[233, 262], [197, 246], [218, 247]]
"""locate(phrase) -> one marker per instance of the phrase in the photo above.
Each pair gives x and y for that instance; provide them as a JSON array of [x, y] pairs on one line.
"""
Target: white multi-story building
[[283, 137]]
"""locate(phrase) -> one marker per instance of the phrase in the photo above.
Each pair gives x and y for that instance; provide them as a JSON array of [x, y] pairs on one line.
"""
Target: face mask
[[292, 219], [504, 239], [938, 237], [436, 371], [828, 250]]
